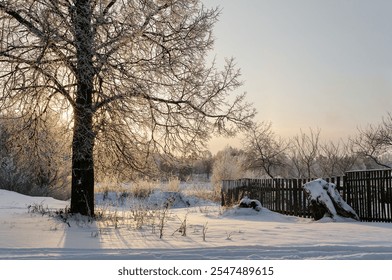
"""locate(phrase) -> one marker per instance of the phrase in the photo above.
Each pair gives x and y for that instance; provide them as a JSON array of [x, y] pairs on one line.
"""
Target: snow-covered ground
[[211, 233]]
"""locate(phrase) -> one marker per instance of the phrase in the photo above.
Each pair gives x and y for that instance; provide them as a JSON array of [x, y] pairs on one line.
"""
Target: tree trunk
[[82, 197], [325, 200]]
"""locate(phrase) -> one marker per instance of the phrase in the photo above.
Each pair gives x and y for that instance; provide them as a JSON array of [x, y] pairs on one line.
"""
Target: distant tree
[[185, 168], [132, 75], [203, 165], [265, 151], [228, 165], [386, 132], [349, 160], [375, 142], [336, 158], [304, 152]]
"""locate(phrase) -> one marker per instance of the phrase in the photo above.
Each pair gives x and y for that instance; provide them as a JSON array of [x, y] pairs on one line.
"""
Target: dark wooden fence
[[368, 192]]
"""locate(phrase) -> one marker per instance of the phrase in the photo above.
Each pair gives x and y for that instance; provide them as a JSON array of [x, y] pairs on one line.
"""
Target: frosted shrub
[[143, 188], [34, 160], [106, 187], [203, 191], [227, 166], [173, 185]]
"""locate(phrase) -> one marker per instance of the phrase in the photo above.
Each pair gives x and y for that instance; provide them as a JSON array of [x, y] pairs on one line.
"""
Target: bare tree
[[35, 157], [296, 168], [336, 158], [264, 150], [349, 159], [374, 142], [204, 164], [304, 153], [386, 132], [132, 74]]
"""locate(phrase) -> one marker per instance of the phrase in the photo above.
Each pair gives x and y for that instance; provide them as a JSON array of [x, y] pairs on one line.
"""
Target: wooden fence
[[368, 192]]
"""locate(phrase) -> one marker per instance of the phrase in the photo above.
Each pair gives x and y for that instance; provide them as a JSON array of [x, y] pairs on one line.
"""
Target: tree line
[[35, 157], [265, 154]]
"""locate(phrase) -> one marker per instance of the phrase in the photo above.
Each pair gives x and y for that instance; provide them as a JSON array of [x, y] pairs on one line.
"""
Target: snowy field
[[211, 233]]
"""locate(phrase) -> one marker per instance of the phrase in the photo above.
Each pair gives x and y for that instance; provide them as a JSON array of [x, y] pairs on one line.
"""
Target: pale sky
[[310, 63]]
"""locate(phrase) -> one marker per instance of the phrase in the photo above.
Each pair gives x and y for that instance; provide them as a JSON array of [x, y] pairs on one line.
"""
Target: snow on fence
[[369, 193]]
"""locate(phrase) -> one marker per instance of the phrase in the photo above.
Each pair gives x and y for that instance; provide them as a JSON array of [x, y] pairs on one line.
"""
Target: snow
[[234, 233]]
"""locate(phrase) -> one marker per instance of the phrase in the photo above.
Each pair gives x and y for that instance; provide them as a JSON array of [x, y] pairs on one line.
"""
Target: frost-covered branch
[[132, 75]]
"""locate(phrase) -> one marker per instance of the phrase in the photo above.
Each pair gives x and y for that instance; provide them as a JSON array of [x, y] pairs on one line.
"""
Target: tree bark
[[82, 197]]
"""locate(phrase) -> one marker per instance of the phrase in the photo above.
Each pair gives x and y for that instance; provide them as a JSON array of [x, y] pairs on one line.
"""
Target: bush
[[173, 185], [227, 166], [35, 159], [143, 188], [203, 191]]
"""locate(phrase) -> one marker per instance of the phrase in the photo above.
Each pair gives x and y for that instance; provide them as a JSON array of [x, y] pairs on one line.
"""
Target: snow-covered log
[[250, 203], [325, 200]]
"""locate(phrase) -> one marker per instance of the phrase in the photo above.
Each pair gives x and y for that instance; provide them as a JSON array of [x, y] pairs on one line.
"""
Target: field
[[185, 228]]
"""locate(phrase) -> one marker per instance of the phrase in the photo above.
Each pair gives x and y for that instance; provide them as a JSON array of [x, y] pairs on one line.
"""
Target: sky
[[309, 63]]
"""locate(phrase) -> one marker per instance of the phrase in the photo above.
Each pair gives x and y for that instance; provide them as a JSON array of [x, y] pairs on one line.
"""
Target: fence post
[[295, 196], [369, 195], [344, 188]]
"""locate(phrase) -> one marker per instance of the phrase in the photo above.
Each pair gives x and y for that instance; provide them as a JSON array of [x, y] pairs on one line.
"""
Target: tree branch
[[22, 20]]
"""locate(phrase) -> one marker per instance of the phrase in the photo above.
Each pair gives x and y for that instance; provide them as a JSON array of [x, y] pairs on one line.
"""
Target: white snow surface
[[234, 233]]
